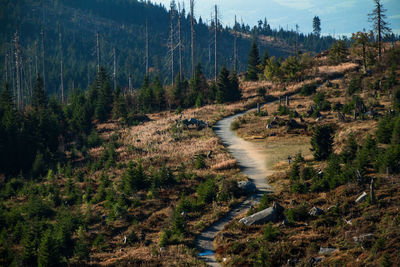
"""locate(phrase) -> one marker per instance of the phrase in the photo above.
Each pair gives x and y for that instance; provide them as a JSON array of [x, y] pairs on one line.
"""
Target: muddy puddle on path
[[256, 160]]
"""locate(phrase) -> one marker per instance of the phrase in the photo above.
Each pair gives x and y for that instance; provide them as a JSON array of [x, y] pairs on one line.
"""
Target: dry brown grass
[[225, 165], [341, 68]]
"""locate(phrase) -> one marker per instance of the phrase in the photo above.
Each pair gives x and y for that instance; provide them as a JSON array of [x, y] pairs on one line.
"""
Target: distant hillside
[[121, 24]]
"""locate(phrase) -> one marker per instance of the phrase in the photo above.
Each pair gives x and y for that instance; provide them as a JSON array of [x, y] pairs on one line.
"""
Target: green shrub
[[270, 233], [307, 173], [385, 129], [100, 242], [228, 190], [163, 241], [396, 100], [235, 125], [354, 86], [134, 178], [200, 162], [299, 213], [164, 177], [299, 187], [265, 201], [321, 103], [94, 139], [207, 192], [295, 172], [283, 110], [308, 89]]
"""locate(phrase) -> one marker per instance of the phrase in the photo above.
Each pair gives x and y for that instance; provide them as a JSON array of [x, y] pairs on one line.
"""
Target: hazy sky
[[337, 16]]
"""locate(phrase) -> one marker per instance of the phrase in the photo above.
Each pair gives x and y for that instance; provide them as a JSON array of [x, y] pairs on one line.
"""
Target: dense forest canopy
[[121, 25]]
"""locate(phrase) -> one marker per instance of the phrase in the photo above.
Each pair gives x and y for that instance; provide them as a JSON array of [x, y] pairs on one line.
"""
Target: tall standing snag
[[17, 68], [180, 41], [44, 61], [192, 33], [147, 47], [61, 66], [115, 69], [98, 52], [380, 26], [216, 45], [235, 47], [172, 44]]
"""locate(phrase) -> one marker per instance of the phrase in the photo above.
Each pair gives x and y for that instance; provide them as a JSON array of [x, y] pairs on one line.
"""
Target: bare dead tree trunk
[[172, 45], [88, 76], [36, 58], [180, 42], [147, 48], [296, 44], [130, 83], [17, 69], [30, 77], [216, 45], [13, 73], [192, 33], [43, 61], [235, 48], [98, 52], [61, 66], [6, 64], [115, 69], [379, 31]]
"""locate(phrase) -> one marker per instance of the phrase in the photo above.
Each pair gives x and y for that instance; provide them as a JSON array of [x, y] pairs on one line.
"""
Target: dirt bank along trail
[[251, 158]]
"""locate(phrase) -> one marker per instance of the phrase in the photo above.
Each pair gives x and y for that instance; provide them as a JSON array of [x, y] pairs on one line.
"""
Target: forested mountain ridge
[[121, 24]]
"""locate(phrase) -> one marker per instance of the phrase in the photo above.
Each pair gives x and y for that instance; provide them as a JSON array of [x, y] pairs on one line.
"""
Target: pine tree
[[39, 98], [317, 26], [253, 63], [380, 25]]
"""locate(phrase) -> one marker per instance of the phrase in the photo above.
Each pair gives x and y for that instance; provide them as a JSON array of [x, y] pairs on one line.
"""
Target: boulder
[[247, 187], [361, 198], [314, 260], [364, 237], [315, 211], [271, 214], [327, 251]]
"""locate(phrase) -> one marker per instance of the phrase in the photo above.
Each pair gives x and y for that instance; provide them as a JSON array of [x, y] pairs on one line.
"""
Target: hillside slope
[[121, 24]]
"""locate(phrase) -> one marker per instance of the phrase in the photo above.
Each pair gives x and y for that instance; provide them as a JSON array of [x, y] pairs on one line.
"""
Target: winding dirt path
[[251, 158]]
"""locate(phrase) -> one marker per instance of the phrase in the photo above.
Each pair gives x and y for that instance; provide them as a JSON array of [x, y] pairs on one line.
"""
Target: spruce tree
[[223, 86], [48, 254], [322, 142], [317, 26], [9, 132], [253, 63], [159, 94], [235, 93], [265, 59], [29, 252]]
